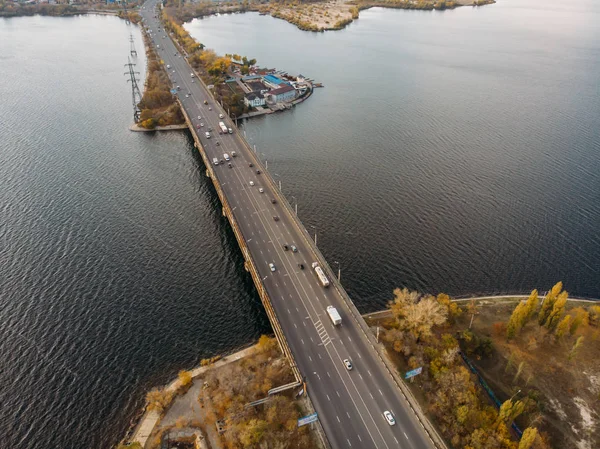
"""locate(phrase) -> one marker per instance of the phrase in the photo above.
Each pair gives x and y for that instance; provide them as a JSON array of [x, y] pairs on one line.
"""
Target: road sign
[[307, 420], [414, 373]]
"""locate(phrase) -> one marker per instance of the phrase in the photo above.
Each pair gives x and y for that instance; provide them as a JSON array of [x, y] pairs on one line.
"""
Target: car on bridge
[[272, 267], [294, 249], [348, 364], [389, 418], [276, 218], [251, 183]]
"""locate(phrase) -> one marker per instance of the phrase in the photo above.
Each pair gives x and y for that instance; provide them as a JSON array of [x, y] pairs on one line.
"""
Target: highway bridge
[[350, 403]]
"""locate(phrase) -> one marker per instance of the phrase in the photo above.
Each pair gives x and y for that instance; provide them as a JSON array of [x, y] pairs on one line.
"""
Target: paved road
[[350, 404]]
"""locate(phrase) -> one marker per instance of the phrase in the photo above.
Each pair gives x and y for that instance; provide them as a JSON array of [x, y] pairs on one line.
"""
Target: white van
[[207, 134], [215, 161], [226, 157]]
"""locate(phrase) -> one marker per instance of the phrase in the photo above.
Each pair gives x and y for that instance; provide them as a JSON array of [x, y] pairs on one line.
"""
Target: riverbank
[[320, 16], [552, 375], [138, 129], [10, 9], [199, 405]]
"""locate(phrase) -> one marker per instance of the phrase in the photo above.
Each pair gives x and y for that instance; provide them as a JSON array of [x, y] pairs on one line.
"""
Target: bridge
[[349, 403]]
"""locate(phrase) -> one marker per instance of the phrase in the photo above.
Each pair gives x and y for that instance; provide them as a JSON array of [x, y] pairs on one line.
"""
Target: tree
[[595, 315], [557, 311], [528, 438], [531, 304], [402, 299], [517, 320], [252, 432], [581, 318], [576, 347], [509, 410], [453, 309], [422, 316], [548, 303], [185, 378], [563, 327], [159, 400]]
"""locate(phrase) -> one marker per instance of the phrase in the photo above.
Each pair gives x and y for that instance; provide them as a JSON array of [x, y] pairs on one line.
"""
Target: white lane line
[[371, 396], [289, 311], [360, 439], [310, 358], [338, 393], [295, 326], [338, 418], [360, 375], [405, 435], [349, 443], [304, 322], [328, 398], [397, 442], [369, 373], [302, 341], [328, 375], [320, 356], [348, 415], [380, 392], [359, 356]]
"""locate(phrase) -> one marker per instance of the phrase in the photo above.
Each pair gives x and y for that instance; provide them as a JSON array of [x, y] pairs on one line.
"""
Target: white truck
[[223, 127], [336, 318], [320, 274]]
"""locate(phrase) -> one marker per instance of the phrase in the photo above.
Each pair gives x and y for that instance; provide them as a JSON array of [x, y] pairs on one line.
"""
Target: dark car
[[250, 164], [285, 247], [258, 172], [301, 265], [229, 165], [205, 102], [276, 218], [274, 201]]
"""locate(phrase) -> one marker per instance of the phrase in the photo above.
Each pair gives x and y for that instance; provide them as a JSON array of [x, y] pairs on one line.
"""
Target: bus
[[320, 274]]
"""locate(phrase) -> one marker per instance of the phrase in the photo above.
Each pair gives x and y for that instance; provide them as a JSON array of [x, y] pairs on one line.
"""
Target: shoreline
[[138, 129]]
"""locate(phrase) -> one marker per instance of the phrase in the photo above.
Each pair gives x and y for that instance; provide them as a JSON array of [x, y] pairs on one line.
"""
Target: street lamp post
[[295, 204], [511, 398], [339, 270], [315, 228]]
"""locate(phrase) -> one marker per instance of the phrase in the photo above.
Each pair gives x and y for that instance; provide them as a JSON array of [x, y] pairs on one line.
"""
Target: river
[[451, 151], [454, 151]]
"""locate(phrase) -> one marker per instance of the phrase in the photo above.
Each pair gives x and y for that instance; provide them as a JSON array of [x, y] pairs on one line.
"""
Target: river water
[[117, 268], [451, 151], [454, 151]]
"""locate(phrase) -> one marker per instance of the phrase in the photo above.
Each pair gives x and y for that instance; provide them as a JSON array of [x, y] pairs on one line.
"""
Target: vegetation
[[158, 106], [539, 354], [159, 399], [231, 387], [212, 68], [62, 8], [134, 445], [421, 335]]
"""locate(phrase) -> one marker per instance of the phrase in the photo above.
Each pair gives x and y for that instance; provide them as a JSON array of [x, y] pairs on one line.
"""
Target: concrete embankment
[[151, 418], [139, 129]]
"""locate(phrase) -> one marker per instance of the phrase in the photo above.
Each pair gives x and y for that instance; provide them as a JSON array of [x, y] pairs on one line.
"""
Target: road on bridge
[[350, 403]]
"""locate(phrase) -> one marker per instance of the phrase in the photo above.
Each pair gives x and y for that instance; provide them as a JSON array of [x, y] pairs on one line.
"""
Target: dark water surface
[[116, 267], [454, 151]]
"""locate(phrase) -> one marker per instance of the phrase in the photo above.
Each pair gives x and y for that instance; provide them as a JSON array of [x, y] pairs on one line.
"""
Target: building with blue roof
[[273, 81]]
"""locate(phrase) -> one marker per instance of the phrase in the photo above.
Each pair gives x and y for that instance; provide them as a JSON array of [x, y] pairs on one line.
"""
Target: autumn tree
[[548, 303], [531, 304], [158, 399], [421, 317], [528, 438], [576, 347], [185, 378], [557, 311], [563, 327], [452, 308], [595, 315], [517, 320], [580, 318], [509, 410]]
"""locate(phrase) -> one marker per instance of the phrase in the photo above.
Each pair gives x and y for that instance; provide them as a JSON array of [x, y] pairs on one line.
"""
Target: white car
[[251, 183], [201, 125], [272, 268], [348, 365], [199, 118], [389, 418], [220, 115], [261, 190]]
